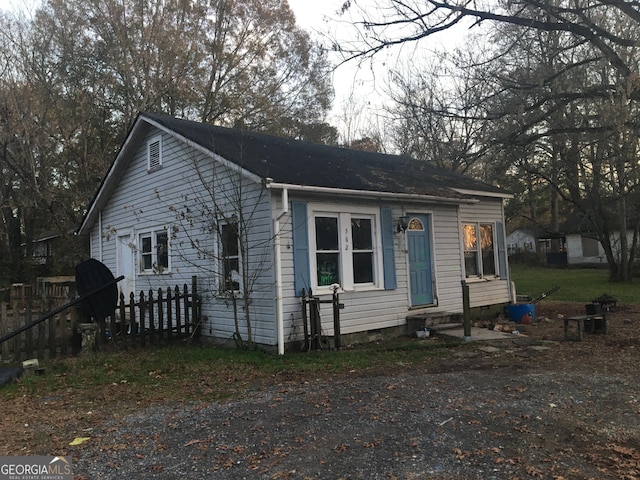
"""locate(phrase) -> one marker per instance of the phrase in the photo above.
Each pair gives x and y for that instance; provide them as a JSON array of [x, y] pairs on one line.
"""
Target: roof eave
[[482, 193], [415, 197], [104, 190]]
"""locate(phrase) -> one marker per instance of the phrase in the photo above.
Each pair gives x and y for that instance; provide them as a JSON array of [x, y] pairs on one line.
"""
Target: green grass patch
[[188, 372], [576, 285], [183, 372]]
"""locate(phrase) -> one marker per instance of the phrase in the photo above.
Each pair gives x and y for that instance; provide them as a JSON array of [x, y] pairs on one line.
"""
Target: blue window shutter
[[388, 255], [300, 247], [502, 252]]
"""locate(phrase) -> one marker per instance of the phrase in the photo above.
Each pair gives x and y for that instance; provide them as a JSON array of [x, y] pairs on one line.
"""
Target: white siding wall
[[449, 267], [174, 197], [575, 254], [377, 309], [493, 291]]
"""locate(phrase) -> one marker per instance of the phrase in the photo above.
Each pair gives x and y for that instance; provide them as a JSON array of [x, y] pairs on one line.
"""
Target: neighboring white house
[[521, 240], [399, 236], [582, 249]]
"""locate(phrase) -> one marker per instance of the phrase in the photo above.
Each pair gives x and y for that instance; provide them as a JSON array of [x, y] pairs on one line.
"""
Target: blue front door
[[420, 276]]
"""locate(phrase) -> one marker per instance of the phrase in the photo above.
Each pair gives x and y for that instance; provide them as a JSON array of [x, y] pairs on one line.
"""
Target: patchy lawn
[[533, 407]]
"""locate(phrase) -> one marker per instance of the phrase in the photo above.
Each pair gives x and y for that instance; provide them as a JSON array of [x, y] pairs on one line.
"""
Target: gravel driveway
[[487, 423]]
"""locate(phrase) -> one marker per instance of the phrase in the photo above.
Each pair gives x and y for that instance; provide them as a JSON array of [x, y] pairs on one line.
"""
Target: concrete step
[[441, 327], [435, 318], [434, 321]]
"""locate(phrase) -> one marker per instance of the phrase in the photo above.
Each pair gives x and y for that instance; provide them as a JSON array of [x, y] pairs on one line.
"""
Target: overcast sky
[[358, 88], [362, 88]]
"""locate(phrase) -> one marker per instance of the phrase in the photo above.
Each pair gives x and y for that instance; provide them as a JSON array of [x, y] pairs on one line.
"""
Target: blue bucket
[[517, 312]]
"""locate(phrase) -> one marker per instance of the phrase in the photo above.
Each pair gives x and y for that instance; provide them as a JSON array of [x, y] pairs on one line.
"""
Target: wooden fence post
[[133, 325], [72, 345], [185, 298], [4, 329], [41, 330], [28, 350], [305, 303], [13, 325], [177, 299], [113, 327], [122, 313], [194, 304], [169, 316], [143, 328], [152, 327], [53, 341], [160, 316]]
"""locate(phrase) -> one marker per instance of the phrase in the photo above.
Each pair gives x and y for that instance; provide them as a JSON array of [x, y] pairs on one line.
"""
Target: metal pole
[[466, 309], [305, 304], [336, 319]]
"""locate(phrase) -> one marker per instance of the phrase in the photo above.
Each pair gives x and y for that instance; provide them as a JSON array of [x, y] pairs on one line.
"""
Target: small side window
[[154, 154], [231, 279], [153, 251], [479, 250]]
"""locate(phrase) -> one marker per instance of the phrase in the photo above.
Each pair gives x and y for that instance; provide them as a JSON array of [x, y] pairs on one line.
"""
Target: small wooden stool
[[579, 326]]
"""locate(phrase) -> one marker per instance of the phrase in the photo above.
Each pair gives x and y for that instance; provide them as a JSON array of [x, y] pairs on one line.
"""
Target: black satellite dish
[[97, 288]]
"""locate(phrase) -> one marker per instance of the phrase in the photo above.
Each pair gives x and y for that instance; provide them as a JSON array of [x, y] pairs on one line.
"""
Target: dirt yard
[[536, 406]]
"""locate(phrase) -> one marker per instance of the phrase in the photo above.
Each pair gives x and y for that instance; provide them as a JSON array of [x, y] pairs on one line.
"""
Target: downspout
[[512, 286], [278, 264], [100, 235]]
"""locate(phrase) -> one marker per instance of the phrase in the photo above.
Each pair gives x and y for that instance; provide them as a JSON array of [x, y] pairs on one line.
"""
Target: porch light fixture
[[403, 223]]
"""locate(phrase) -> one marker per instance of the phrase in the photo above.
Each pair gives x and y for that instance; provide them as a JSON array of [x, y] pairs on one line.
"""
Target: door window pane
[[326, 233], [230, 258], [145, 247], [362, 241], [362, 267], [416, 225], [361, 233], [470, 239], [328, 268], [162, 248], [486, 245], [327, 251]]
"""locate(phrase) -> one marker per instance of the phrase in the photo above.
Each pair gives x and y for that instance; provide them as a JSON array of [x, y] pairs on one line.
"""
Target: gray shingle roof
[[304, 163]]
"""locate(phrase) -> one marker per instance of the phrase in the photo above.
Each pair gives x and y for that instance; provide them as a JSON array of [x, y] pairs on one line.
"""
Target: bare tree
[[441, 112], [574, 113], [219, 231], [395, 22], [560, 95]]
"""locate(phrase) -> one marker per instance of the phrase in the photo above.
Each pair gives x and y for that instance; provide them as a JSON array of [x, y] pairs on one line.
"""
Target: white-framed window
[[154, 153], [230, 258], [153, 252], [345, 250], [479, 250]]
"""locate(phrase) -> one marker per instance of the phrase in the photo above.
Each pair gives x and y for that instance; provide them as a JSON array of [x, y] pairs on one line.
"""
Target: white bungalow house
[[272, 216], [521, 240]]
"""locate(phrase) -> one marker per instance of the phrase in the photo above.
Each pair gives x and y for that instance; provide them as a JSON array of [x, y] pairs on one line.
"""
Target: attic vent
[[154, 154]]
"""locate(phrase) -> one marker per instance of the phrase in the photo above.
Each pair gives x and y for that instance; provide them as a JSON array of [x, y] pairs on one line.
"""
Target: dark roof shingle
[[304, 163]]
